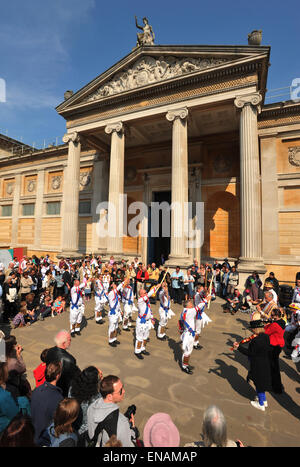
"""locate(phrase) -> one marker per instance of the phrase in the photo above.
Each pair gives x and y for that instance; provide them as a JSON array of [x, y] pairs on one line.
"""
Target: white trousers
[[127, 314], [99, 306], [76, 315], [187, 343], [142, 332], [113, 321], [163, 321]]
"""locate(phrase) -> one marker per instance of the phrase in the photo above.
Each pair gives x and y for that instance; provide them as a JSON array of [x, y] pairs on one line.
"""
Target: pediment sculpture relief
[[148, 70]]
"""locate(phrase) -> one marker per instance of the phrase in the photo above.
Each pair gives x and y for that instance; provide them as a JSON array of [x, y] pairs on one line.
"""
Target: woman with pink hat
[[161, 432]]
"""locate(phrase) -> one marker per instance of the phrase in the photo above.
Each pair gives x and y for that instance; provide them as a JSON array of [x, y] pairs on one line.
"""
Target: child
[[19, 319], [39, 372], [57, 307]]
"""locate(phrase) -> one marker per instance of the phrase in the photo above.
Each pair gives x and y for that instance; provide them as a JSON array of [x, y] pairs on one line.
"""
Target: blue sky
[[51, 46]]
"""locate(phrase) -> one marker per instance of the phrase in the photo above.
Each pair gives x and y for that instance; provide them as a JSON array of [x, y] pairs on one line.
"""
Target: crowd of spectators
[[74, 407]]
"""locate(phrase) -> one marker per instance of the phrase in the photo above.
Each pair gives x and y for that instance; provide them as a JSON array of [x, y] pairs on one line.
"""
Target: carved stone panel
[[149, 70]]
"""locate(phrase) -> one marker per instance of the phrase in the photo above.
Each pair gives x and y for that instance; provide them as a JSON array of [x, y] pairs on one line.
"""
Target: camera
[[130, 411]]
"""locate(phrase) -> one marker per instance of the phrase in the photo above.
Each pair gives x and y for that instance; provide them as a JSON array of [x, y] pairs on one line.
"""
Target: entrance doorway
[[160, 245]]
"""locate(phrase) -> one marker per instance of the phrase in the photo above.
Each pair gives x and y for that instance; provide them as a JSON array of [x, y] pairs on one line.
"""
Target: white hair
[[214, 427]]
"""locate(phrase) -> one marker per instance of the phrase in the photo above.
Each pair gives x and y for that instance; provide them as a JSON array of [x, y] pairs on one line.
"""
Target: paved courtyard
[[157, 384]]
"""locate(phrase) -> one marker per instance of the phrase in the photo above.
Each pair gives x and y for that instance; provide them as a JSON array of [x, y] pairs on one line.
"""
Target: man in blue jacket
[[44, 401]]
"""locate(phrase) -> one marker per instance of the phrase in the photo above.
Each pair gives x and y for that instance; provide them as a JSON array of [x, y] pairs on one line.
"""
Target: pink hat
[[160, 431]]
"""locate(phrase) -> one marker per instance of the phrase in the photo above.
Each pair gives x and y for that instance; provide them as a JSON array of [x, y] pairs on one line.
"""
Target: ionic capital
[[251, 99], [117, 127], [177, 113], [74, 137]]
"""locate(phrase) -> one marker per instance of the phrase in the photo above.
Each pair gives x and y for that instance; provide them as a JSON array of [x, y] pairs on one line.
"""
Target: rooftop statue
[[147, 36]]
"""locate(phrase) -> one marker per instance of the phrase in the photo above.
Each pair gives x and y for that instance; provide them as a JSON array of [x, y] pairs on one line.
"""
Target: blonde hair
[[113, 442]]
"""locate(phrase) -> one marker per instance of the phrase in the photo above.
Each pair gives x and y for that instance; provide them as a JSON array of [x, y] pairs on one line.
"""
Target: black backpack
[[109, 424]]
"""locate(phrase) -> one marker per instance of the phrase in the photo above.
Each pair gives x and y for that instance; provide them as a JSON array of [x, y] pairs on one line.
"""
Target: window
[[6, 210], [28, 209], [84, 207], [53, 208]]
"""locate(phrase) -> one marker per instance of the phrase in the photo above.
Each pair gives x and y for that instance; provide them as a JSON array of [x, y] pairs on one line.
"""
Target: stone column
[[39, 208], [145, 221], [70, 234], [269, 192], [179, 245], [116, 189], [100, 195], [15, 210], [195, 197], [250, 195]]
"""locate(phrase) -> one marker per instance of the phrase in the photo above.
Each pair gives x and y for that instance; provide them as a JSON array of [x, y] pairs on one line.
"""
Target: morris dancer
[[106, 281], [144, 322], [100, 298], [200, 301], [115, 312], [188, 328], [76, 307], [164, 311], [127, 300]]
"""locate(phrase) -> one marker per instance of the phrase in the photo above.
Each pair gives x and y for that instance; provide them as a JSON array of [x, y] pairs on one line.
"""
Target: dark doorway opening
[[160, 245]]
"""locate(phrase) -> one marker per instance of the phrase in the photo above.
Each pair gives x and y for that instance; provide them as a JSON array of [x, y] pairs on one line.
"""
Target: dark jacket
[[69, 367], [44, 402], [259, 351]]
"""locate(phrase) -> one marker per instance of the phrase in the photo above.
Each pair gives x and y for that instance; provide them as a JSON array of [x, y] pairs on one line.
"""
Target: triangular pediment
[[148, 67]]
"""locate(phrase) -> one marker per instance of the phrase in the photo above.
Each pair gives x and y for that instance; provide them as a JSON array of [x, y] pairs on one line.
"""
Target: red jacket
[[275, 333], [142, 275], [39, 374]]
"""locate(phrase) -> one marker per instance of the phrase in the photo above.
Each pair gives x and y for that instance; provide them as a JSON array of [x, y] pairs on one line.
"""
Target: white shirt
[[144, 307], [74, 293], [113, 299]]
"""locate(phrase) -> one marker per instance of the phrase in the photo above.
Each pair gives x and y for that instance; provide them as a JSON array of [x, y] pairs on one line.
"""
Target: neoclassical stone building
[[165, 123]]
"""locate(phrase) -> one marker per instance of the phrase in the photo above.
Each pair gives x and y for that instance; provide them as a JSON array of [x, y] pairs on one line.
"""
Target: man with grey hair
[[265, 308], [214, 431], [59, 354]]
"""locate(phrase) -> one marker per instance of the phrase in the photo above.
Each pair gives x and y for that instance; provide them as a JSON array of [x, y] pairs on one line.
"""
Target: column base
[[69, 254], [183, 261]]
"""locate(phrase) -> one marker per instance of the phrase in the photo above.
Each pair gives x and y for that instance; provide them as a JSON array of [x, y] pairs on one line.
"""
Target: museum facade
[[166, 123]]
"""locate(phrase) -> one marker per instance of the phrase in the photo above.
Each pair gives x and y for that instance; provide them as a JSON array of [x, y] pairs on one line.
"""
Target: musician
[[268, 287], [144, 322], [258, 352], [275, 331], [265, 308], [188, 326]]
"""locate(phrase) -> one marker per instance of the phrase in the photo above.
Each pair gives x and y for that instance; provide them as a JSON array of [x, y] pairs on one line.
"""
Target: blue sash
[[166, 308], [143, 318], [75, 305], [113, 309], [182, 317]]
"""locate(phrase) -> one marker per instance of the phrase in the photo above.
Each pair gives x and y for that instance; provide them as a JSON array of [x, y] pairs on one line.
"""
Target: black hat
[[257, 323]]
